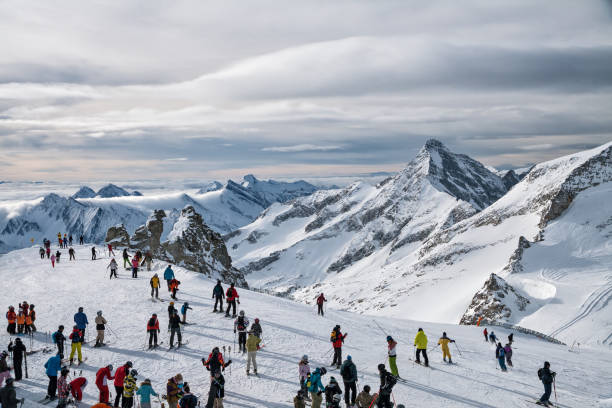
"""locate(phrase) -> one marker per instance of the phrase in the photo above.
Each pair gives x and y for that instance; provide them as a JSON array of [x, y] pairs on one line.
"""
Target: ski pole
[[458, 349], [112, 331], [25, 360], [554, 386]]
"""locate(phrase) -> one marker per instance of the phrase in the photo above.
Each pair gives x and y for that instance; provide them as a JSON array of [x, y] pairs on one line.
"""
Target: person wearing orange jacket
[[11, 317], [32, 315], [337, 338], [20, 322], [28, 324], [102, 376], [174, 284], [231, 297], [153, 330]]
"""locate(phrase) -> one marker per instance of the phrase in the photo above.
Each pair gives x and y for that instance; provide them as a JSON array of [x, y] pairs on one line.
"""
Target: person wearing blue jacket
[[52, 366], [184, 310], [81, 321], [168, 276], [316, 387], [145, 391]]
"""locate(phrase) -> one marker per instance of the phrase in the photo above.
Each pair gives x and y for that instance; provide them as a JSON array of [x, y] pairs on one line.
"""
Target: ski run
[[290, 330]]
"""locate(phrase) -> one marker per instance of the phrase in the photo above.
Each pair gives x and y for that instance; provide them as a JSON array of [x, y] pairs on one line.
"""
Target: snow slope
[[290, 330]]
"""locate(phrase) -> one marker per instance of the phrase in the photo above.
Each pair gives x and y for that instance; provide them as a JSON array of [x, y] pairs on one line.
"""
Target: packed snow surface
[[289, 331]]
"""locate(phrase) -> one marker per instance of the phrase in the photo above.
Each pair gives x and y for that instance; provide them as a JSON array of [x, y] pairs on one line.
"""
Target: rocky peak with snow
[[267, 192], [111, 190], [212, 186], [84, 192]]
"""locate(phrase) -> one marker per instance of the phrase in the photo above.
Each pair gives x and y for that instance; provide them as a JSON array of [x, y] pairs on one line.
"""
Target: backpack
[[540, 373], [308, 381], [151, 322], [241, 325], [332, 337]]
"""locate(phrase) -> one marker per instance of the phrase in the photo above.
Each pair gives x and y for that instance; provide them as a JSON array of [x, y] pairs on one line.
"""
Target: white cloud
[[300, 148]]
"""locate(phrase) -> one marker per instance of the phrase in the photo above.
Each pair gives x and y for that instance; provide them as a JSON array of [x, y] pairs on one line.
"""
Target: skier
[[510, 338], [171, 310], [70, 240], [492, 337], [508, 353], [126, 258], [134, 267], [420, 342], [77, 386], [110, 250], [154, 282], [81, 240], [81, 321], [103, 375], [59, 339], [216, 391], [231, 296], [120, 375], [20, 322], [65, 241], [174, 284], [11, 317], [173, 390], [215, 363], [486, 334], [168, 276], [175, 328], [30, 317], [58, 254], [500, 354], [41, 251], [77, 338], [53, 260], [113, 268], [153, 330], [63, 388], [391, 351], [93, 253], [252, 345], [304, 373], [320, 300], [8, 396], [18, 350], [48, 252], [348, 371], [548, 378], [387, 381], [218, 295], [364, 399], [188, 400], [298, 400], [445, 350], [184, 310], [316, 387], [333, 394], [52, 366], [71, 254], [4, 368], [148, 260], [337, 338], [241, 323], [256, 328], [129, 388], [100, 322], [145, 391]]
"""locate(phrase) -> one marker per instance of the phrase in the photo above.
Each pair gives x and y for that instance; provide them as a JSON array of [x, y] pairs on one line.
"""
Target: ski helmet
[[154, 314], [242, 313], [129, 364], [381, 367], [366, 388], [443, 334], [99, 313], [81, 309], [332, 379], [61, 327], [305, 357], [134, 373], [3, 354], [323, 370], [9, 381], [389, 338], [31, 306], [546, 364], [110, 367], [215, 350], [257, 320]]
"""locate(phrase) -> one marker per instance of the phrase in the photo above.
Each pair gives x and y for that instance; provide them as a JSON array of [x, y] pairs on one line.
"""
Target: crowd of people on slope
[[21, 321]]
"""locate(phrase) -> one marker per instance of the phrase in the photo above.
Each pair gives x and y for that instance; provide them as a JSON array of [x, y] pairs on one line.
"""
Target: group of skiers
[[503, 354], [21, 321]]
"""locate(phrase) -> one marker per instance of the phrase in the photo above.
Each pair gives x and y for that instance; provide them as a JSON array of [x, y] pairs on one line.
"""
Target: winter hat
[[349, 358], [305, 357], [332, 379], [257, 320], [9, 381], [420, 329], [65, 371], [381, 367], [129, 364], [389, 338], [110, 367], [546, 364], [134, 373], [99, 313], [81, 309], [366, 388], [242, 313], [443, 334], [178, 377]]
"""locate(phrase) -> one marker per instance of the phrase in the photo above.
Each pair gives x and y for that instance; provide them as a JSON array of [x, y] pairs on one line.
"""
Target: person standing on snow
[[120, 375], [337, 339], [364, 399], [348, 371], [11, 317], [110, 250], [387, 381], [444, 341], [81, 240], [126, 258], [510, 338], [18, 350], [155, 286], [4, 368], [175, 328], [320, 300], [298, 400], [100, 327], [58, 254], [168, 276], [420, 342], [65, 241], [153, 330], [41, 252], [333, 394], [148, 260], [93, 253], [63, 388], [8, 396], [188, 400], [53, 260], [103, 375], [316, 387], [129, 388], [80, 318], [241, 324], [145, 391], [492, 337], [216, 391], [184, 310], [304, 373], [486, 334], [70, 240], [113, 268], [252, 345], [547, 377], [134, 267], [59, 339], [218, 295], [77, 339], [256, 328], [71, 254], [392, 353], [231, 296], [173, 390], [500, 354], [52, 366], [508, 353], [174, 284], [48, 252]]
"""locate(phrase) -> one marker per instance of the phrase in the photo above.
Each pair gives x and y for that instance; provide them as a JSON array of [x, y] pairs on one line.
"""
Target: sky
[[135, 89]]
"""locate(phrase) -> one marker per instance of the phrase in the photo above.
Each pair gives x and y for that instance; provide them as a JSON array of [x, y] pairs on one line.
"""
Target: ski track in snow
[[290, 330]]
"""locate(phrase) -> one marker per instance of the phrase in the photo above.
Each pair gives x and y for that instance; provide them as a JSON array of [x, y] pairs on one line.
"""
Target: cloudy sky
[[134, 89]]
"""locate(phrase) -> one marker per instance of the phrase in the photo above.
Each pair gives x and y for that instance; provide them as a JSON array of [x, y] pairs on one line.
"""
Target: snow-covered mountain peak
[[84, 192], [112, 190]]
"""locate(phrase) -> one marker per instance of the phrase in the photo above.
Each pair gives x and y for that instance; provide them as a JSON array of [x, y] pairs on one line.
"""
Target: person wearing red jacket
[[102, 376], [77, 386], [120, 375], [320, 300], [153, 329], [231, 297], [337, 339]]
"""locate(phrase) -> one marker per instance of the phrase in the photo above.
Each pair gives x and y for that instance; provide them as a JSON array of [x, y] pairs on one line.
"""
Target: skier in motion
[[444, 341], [547, 377]]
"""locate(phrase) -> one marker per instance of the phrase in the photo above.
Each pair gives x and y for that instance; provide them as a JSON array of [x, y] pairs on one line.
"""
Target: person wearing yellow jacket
[[252, 345], [420, 342], [129, 388], [444, 341], [155, 286]]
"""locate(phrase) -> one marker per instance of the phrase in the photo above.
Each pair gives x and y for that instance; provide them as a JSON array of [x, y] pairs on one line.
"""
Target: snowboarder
[[155, 286], [19, 351], [145, 391], [337, 338], [218, 295], [110, 250], [77, 386], [420, 342], [486, 334], [304, 373], [547, 377], [148, 260], [173, 390], [41, 251], [120, 375], [333, 394], [168, 276], [93, 253], [216, 391], [364, 399], [153, 330], [252, 345], [392, 353], [113, 268], [126, 258], [80, 318], [444, 341], [134, 267], [175, 328], [100, 327], [231, 296], [129, 388], [500, 354], [508, 352], [11, 317], [188, 400], [316, 387], [58, 254], [256, 328], [492, 337], [320, 300], [71, 254], [8, 396], [53, 260], [77, 339], [348, 371], [63, 388], [184, 310], [387, 381], [52, 366], [59, 339], [241, 324], [103, 375], [81, 240], [4, 368]]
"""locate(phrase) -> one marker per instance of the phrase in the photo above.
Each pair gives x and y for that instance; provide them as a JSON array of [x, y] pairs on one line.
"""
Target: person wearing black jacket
[[217, 390], [218, 295], [547, 377], [333, 394], [387, 381], [188, 400], [19, 351], [348, 371], [8, 396], [175, 328], [59, 339]]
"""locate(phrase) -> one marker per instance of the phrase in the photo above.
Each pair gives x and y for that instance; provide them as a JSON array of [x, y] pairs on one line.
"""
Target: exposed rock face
[[112, 190], [514, 265], [118, 236], [510, 179], [84, 192], [147, 237], [494, 302]]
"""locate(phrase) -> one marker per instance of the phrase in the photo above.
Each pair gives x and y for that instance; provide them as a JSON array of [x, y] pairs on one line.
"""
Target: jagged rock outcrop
[[148, 237], [514, 264], [496, 301], [118, 236]]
